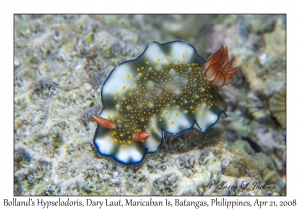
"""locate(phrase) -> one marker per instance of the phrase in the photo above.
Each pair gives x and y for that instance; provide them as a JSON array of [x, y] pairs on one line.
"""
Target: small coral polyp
[[163, 90]]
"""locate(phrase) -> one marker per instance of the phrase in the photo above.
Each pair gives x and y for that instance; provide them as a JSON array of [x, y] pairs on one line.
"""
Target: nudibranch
[[165, 89]]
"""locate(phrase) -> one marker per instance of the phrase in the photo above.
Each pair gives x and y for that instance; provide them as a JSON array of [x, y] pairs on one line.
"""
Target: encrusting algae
[[165, 89]]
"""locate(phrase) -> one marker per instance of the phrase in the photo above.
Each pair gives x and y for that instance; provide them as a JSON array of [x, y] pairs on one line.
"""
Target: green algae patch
[[58, 139], [90, 38], [34, 60]]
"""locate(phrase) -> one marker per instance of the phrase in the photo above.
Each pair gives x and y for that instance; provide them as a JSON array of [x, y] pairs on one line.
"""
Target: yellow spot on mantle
[[124, 87], [128, 75]]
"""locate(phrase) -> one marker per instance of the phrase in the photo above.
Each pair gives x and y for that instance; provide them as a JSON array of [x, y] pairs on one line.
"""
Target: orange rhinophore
[[218, 70], [141, 136], [104, 122]]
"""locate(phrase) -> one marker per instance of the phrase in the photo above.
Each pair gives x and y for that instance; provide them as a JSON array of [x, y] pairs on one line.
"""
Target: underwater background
[[61, 63]]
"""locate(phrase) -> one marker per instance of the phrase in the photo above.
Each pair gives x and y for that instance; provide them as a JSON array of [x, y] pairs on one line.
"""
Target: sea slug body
[[163, 90]]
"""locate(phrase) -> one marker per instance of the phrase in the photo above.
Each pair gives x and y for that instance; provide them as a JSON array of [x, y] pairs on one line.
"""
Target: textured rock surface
[[60, 65]]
